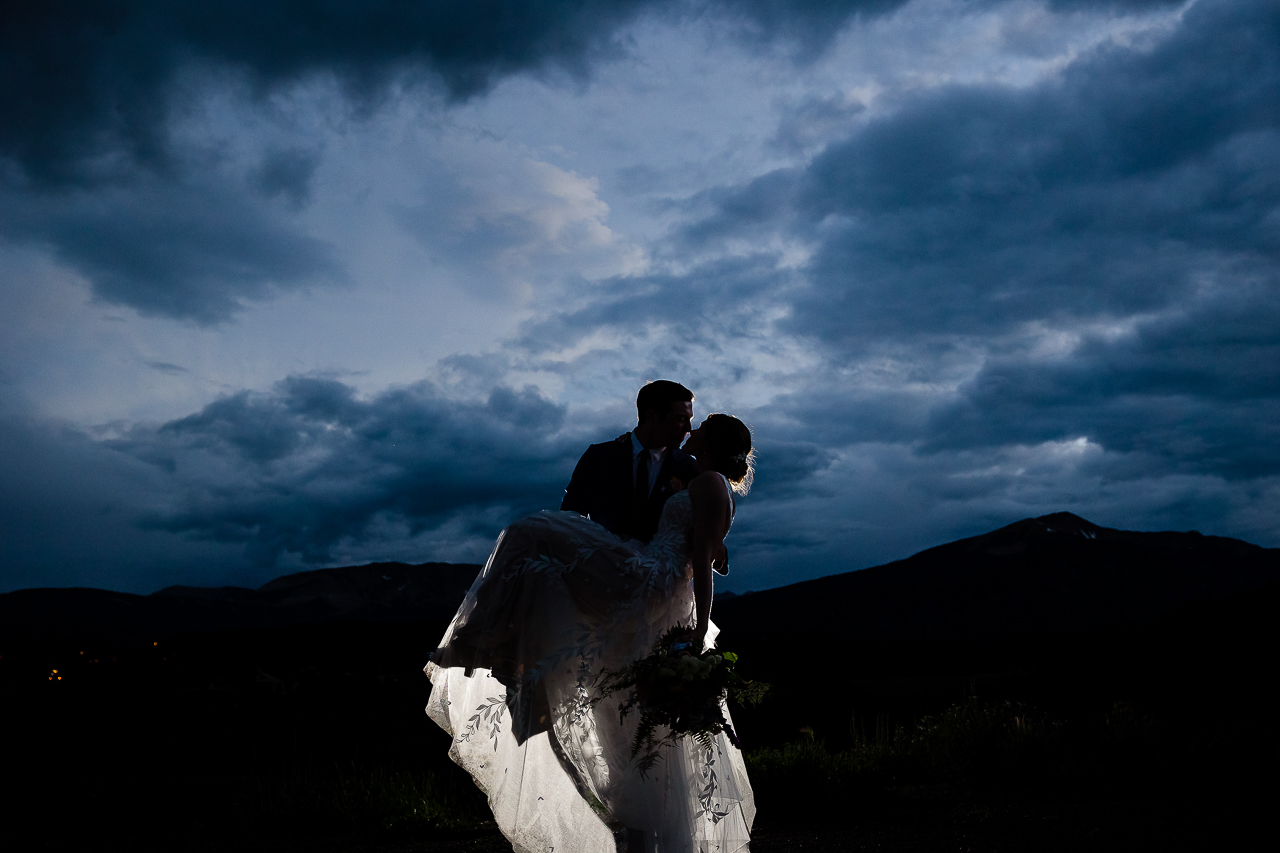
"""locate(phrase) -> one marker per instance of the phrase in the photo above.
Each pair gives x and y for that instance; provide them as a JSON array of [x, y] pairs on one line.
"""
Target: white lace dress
[[560, 600]]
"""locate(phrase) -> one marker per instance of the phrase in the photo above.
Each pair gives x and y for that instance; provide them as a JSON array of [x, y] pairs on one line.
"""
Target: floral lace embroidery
[[710, 809], [667, 556], [488, 712]]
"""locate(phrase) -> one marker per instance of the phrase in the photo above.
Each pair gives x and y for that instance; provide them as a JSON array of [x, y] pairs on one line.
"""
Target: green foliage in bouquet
[[681, 691]]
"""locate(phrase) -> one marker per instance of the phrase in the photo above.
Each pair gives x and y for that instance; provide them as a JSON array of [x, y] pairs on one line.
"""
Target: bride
[[514, 680]]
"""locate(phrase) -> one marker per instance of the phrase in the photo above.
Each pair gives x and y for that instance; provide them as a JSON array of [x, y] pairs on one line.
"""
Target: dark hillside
[[378, 592], [1041, 575], [1044, 575], [1054, 611], [290, 717]]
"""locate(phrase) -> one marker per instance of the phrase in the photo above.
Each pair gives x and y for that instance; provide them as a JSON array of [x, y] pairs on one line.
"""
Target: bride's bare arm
[[710, 501]]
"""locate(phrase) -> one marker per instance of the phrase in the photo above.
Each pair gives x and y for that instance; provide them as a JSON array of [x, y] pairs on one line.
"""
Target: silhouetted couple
[[568, 595]]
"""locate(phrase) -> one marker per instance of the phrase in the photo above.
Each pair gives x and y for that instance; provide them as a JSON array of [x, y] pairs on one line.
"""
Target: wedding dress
[[559, 601]]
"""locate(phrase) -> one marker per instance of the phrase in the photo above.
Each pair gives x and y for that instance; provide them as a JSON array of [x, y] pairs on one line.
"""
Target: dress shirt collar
[[637, 448]]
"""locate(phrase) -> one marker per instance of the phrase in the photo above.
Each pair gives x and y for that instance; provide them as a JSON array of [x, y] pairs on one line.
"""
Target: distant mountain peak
[[1053, 573], [1014, 538], [1068, 522]]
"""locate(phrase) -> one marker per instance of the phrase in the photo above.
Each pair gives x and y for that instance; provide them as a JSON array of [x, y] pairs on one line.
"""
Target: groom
[[623, 484]]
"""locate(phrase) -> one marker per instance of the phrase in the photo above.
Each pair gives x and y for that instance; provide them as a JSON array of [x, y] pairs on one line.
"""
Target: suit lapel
[[626, 467]]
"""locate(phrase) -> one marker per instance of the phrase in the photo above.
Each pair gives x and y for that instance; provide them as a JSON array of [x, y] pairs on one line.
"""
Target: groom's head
[[664, 411]]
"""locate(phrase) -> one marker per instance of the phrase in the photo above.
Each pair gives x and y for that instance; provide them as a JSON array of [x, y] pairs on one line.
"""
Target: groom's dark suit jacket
[[602, 487]]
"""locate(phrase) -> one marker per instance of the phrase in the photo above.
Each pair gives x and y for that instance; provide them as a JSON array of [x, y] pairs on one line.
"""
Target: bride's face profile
[[697, 441]]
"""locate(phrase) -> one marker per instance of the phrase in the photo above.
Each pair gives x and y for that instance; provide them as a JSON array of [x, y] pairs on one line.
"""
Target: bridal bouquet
[[682, 691]]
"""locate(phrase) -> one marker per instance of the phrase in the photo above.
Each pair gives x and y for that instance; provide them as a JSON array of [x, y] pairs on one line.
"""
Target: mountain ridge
[[1056, 572], [376, 592], [1053, 573]]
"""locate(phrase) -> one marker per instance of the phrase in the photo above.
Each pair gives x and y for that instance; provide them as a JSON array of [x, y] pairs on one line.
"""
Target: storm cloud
[[87, 77], [309, 465], [82, 78], [1098, 252], [94, 95], [1089, 262], [957, 264]]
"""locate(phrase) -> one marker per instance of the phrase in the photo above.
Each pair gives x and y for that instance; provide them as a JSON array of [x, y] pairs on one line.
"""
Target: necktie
[[642, 478]]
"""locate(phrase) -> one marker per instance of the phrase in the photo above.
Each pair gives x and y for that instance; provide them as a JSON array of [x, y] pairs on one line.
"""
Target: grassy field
[[314, 738]]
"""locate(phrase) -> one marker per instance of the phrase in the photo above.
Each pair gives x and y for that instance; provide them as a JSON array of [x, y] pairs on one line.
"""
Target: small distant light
[[59, 677], [82, 653], [55, 672], [156, 643]]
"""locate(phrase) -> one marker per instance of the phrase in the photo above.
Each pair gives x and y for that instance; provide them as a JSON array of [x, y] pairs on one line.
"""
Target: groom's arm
[[577, 496]]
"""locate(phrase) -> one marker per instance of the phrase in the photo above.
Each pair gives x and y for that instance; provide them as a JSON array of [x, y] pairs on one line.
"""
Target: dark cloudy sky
[[290, 284]]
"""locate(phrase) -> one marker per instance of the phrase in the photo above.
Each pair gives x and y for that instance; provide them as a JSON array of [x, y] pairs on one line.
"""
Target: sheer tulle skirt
[[559, 601]]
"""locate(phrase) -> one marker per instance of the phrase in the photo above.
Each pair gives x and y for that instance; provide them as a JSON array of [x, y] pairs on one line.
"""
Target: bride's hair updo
[[729, 451]]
